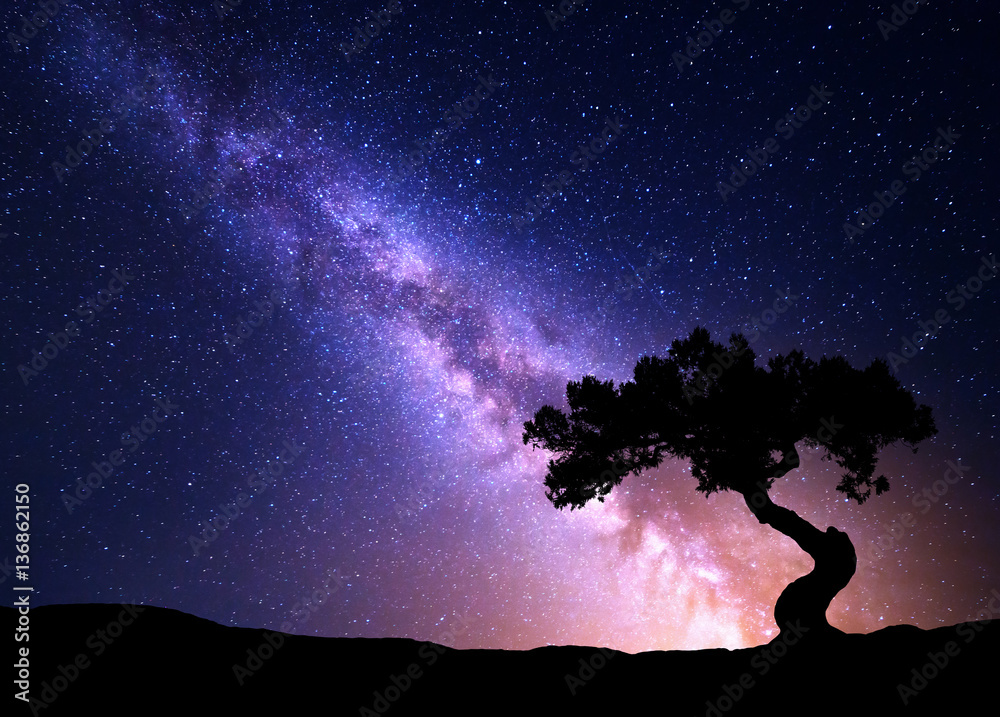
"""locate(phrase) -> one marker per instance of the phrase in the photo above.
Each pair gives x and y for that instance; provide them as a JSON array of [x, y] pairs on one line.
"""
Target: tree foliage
[[738, 423]]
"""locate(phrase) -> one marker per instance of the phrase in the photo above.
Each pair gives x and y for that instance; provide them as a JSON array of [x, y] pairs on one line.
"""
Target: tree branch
[[805, 534]]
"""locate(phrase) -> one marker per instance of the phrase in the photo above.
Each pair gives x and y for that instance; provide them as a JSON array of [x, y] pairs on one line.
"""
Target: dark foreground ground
[[151, 661]]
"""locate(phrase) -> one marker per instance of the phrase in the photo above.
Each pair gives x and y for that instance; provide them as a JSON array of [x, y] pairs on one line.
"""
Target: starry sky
[[250, 269]]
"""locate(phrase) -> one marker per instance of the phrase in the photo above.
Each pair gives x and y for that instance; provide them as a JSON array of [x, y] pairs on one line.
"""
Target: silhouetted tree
[[739, 425]]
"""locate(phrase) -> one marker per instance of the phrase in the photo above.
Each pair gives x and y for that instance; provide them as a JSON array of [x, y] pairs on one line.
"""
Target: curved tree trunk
[[803, 604]]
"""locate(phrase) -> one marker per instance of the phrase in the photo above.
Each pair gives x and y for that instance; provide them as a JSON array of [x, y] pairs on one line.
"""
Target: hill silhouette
[[150, 660]]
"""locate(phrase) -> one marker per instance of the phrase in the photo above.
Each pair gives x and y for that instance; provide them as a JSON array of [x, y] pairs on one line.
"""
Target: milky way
[[306, 278]]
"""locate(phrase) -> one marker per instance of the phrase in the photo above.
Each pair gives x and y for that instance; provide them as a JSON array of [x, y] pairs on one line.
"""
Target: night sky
[[264, 273]]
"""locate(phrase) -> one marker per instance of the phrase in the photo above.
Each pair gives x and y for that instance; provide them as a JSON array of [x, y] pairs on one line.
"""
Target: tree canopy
[[738, 423]]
